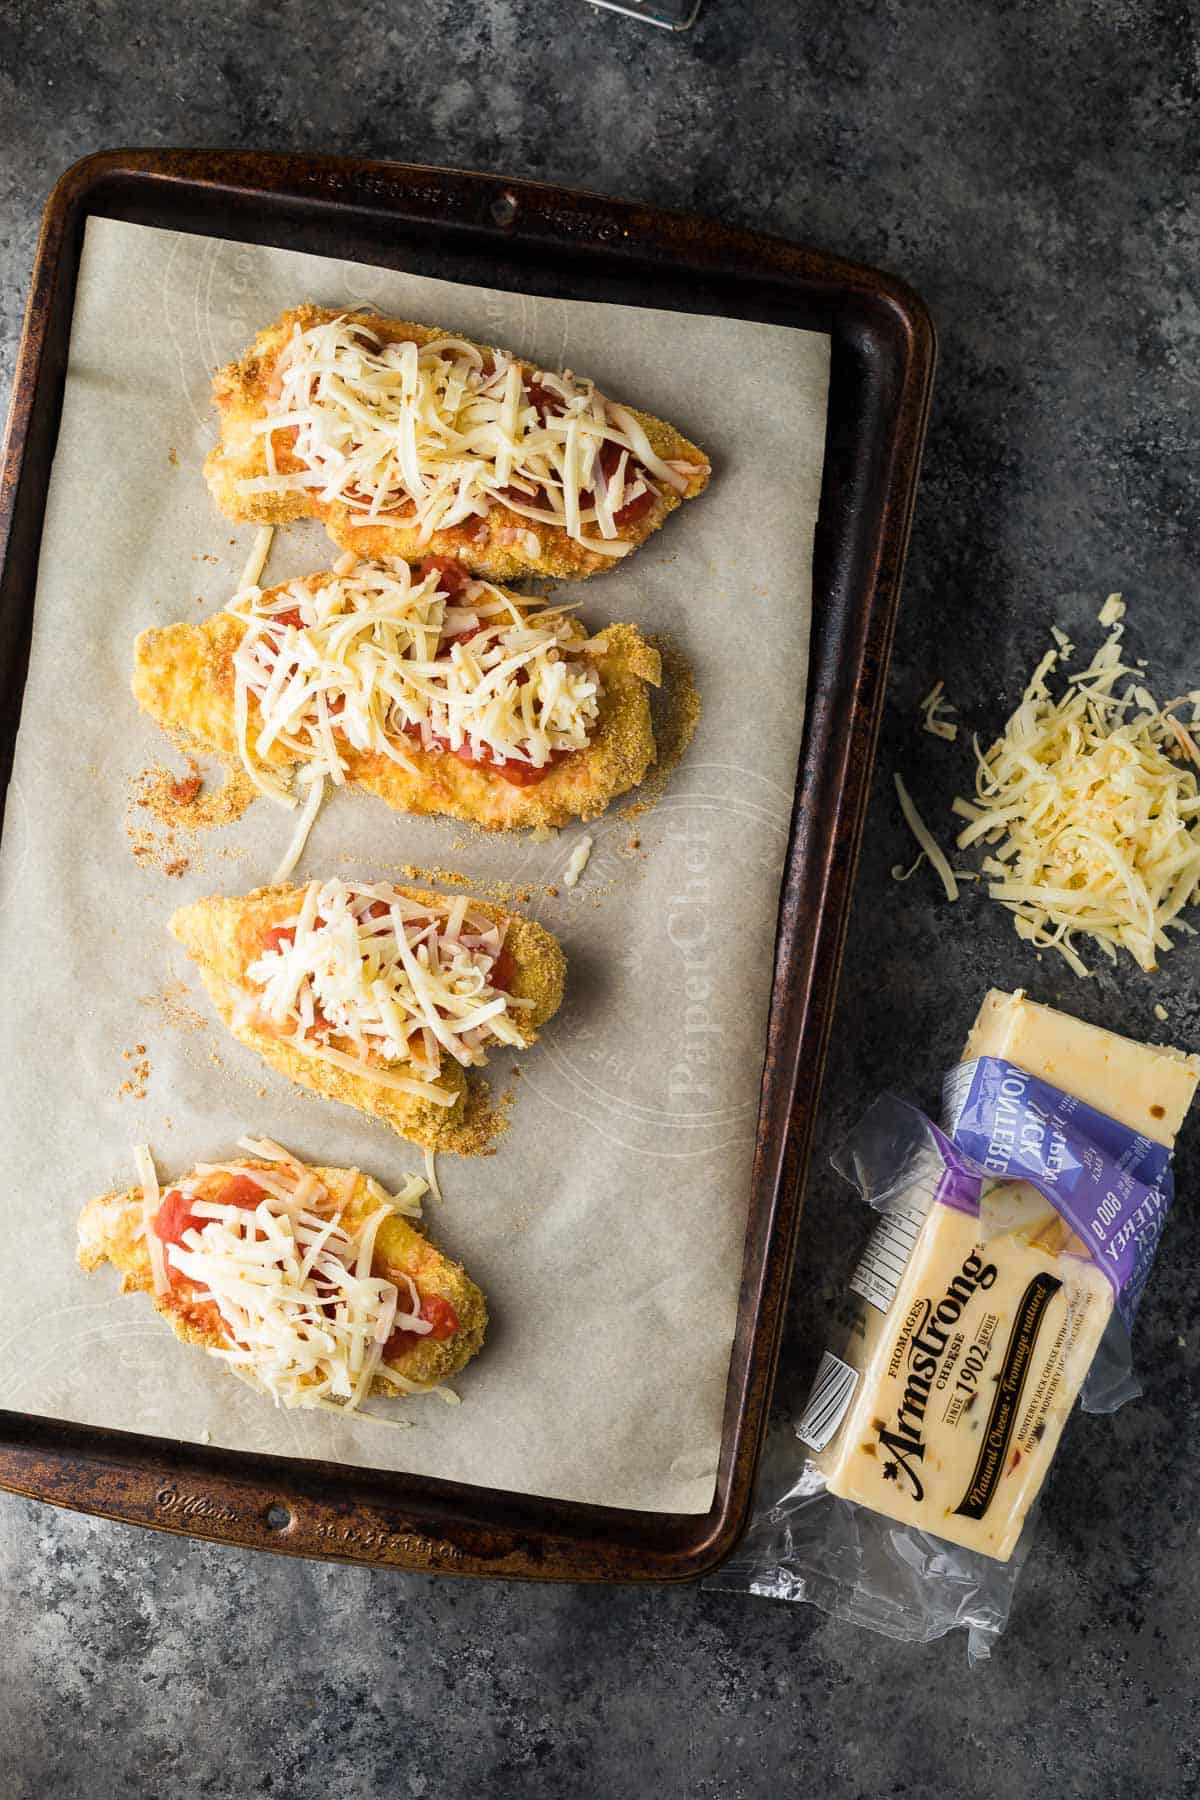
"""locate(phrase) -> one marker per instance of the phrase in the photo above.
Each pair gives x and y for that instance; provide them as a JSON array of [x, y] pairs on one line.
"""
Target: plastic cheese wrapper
[[998, 1287]]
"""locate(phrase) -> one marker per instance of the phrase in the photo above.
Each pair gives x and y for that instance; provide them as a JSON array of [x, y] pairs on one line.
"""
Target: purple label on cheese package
[[1112, 1186]]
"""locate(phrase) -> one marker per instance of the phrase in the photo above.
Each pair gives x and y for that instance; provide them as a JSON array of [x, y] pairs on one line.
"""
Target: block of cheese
[[1147, 1087], [971, 1337]]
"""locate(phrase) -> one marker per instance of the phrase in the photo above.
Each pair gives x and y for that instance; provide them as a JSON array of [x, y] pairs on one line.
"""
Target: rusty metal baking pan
[[524, 236]]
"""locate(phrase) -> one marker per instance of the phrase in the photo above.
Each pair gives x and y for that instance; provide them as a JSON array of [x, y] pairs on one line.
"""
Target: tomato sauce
[[175, 1216], [437, 1313], [546, 403], [452, 577], [517, 774], [184, 790], [610, 459], [504, 971]]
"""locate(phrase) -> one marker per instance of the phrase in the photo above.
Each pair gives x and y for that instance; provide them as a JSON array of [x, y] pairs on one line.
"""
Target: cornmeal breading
[[184, 678], [223, 936], [110, 1230], [499, 546]]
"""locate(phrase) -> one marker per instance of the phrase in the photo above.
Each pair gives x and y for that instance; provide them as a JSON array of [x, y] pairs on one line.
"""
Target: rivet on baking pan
[[504, 208], [278, 1518]]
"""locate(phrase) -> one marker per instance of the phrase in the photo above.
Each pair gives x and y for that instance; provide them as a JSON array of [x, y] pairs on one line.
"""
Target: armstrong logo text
[[929, 1335]]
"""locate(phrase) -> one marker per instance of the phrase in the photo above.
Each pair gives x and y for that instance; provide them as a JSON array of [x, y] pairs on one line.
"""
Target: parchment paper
[[607, 1231]]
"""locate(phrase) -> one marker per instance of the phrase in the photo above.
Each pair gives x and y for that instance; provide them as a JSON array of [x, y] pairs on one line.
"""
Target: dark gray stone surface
[[1030, 166]]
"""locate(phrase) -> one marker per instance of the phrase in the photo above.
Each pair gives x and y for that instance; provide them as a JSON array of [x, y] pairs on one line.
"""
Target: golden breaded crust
[[109, 1231], [183, 677], [241, 394], [224, 935]]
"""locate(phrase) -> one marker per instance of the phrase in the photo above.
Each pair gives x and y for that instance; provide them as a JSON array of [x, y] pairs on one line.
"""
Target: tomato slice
[[276, 936], [436, 1312], [291, 616]]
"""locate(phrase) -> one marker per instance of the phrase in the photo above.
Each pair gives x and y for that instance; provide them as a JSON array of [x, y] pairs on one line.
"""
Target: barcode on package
[[831, 1394], [956, 1089], [883, 1261]]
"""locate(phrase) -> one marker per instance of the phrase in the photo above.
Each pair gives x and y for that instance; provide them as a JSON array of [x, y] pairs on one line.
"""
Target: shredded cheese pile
[[306, 1319], [372, 658], [394, 982], [1090, 808], [366, 664], [438, 434]]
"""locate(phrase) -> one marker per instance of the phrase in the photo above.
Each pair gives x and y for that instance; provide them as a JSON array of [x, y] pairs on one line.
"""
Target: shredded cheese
[[256, 562], [578, 862], [304, 825], [931, 709], [926, 840], [371, 981], [436, 435], [1090, 811], [1113, 610], [376, 658], [304, 1317]]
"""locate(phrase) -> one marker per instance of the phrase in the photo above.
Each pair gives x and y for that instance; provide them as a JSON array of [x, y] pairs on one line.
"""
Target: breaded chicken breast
[[408, 441], [198, 1248], [437, 692], [382, 997]]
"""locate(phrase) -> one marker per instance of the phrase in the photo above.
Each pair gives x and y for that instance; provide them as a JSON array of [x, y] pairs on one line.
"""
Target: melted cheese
[[396, 984], [1091, 812], [438, 434], [383, 659]]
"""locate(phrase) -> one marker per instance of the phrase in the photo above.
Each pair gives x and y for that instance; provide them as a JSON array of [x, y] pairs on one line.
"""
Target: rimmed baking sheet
[[607, 1229], [522, 237]]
